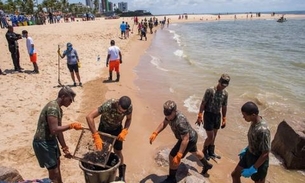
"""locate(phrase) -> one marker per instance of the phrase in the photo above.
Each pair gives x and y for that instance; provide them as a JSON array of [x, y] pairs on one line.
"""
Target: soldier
[[186, 136], [214, 99], [254, 159], [112, 113]]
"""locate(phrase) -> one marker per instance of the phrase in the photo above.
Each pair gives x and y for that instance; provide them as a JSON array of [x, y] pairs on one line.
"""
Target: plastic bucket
[[97, 174]]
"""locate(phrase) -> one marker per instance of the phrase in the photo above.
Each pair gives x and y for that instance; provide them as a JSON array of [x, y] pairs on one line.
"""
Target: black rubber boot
[[122, 169], [206, 152], [212, 154], [110, 76], [117, 77], [206, 166], [171, 178]]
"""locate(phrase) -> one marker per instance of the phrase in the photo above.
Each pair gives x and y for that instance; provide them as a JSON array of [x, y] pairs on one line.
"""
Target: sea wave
[[176, 37], [156, 62], [179, 53], [192, 103]]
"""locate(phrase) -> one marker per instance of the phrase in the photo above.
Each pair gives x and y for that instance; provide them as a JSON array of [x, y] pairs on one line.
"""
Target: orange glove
[[122, 135], [177, 159], [76, 126], [199, 119], [97, 141], [153, 137], [224, 121]]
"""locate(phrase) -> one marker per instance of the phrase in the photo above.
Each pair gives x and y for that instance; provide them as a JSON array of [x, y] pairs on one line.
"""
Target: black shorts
[[73, 67], [118, 145], [211, 121], [248, 160], [191, 147]]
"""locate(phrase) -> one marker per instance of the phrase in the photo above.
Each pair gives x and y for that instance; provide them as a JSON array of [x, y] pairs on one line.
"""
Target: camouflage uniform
[[181, 126], [45, 144], [111, 119], [214, 100], [259, 141]]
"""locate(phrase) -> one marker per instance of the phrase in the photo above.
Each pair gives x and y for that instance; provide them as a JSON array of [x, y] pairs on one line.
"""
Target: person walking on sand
[[12, 40], [214, 99], [112, 113], [114, 59], [123, 30], [31, 50], [254, 159], [50, 131], [186, 136], [72, 62]]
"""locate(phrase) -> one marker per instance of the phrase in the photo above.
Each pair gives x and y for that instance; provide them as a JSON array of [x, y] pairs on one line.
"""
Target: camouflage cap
[[67, 91], [168, 107], [224, 79]]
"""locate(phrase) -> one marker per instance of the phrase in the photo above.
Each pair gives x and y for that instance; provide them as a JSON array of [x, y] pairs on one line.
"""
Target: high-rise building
[[105, 5], [89, 3], [123, 6], [110, 5]]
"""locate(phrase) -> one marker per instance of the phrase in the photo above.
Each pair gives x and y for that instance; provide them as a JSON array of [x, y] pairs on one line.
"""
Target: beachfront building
[[123, 6], [89, 3], [104, 6]]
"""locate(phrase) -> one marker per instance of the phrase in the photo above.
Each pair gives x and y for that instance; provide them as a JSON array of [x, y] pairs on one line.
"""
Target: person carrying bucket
[[112, 113]]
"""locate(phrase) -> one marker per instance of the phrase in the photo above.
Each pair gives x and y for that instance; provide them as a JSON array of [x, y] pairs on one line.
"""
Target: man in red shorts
[[114, 59], [31, 50]]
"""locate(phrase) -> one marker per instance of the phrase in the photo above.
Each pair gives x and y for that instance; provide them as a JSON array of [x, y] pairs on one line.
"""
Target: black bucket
[[97, 174]]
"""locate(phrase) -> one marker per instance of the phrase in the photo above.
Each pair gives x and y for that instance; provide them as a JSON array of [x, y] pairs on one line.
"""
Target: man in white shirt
[[114, 59], [31, 50]]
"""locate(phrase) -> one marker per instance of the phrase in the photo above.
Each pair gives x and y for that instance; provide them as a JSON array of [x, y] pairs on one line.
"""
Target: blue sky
[[210, 6]]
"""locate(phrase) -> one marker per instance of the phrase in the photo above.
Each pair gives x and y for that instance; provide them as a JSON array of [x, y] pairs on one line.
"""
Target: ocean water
[[265, 59]]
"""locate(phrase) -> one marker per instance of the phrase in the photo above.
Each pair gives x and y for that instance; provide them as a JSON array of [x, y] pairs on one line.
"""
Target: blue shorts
[[47, 153], [73, 67]]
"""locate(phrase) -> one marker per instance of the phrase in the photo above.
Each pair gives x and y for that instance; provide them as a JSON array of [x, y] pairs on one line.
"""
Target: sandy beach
[[23, 95]]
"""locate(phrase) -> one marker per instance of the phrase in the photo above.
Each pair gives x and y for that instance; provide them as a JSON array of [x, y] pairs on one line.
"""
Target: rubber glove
[[247, 172], [199, 119], [242, 152], [177, 159], [76, 126], [122, 135], [79, 64], [153, 137], [97, 141], [224, 121]]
